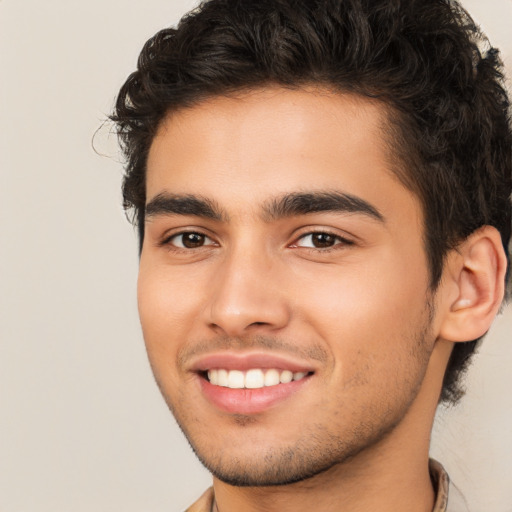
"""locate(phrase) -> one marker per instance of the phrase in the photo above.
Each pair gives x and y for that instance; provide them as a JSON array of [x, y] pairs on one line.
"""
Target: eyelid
[[342, 239], [167, 238]]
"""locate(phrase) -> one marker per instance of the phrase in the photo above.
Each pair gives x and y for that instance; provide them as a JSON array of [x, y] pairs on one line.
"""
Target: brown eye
[[190, 240], [321, 240]]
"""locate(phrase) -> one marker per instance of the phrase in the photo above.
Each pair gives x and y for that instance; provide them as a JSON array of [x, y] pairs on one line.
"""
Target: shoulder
[[204, 503]]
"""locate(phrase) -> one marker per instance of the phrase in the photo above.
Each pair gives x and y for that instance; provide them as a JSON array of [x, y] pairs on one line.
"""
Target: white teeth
[[222, 378], [285, 377], [236, 379], [271, 378], [213, 377], [252, 379]]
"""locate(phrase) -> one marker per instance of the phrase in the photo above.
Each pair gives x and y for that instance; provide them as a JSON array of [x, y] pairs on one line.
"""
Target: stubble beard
[[318, 449], [320, 452]]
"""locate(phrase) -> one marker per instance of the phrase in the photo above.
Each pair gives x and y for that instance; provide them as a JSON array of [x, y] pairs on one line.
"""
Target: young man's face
[[279, 245]]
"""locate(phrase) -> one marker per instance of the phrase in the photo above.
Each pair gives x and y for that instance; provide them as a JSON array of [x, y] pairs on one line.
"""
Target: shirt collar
[[441, 483]]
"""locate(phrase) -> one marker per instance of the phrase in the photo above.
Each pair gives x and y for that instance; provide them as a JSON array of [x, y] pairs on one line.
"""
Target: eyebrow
[[295, 204], [174, 204], [288, 205]]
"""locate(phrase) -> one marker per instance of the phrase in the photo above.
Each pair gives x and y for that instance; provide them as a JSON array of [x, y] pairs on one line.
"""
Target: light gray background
[[82, 425]]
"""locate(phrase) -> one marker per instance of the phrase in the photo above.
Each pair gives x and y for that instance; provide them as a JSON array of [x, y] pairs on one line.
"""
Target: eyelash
[[167, 241], [338, 241]]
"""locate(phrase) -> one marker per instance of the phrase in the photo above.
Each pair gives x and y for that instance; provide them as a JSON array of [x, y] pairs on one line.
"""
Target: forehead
[[242, 150]]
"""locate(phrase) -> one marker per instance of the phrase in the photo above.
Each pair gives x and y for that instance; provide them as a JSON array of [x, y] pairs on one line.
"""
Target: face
[[283, 287]]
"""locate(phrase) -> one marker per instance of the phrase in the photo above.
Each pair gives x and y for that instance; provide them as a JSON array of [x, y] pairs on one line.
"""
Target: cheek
[[167, 309], [369, 314], [345, 297], [167, 299]]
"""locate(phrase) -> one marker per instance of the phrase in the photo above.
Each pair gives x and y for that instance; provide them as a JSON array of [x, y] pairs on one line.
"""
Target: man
[[322, 191]]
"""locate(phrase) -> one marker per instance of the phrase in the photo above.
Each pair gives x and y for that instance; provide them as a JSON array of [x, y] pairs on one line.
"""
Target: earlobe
[[477, 278]]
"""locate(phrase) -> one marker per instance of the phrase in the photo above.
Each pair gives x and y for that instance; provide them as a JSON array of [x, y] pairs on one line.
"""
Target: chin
[[313, 454]]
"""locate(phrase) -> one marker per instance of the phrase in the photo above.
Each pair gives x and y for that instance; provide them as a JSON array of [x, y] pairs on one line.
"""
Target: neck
[[400, 483]]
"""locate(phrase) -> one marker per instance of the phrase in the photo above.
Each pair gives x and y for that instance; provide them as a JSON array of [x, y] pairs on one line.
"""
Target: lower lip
[[249, 401]]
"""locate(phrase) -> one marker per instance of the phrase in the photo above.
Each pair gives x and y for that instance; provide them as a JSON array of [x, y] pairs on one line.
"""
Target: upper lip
[[245, 361]]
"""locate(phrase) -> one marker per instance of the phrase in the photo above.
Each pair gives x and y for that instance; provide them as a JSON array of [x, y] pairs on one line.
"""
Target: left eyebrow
[[299, 203]]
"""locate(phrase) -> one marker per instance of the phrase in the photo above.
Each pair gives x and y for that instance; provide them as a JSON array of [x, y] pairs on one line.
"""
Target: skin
[[359, 313]]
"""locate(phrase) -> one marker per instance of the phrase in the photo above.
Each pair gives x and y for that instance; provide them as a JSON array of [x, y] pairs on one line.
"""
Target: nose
[[247, 296]]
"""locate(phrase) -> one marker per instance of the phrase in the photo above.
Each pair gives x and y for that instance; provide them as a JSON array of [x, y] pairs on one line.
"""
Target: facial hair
[[319, 447]]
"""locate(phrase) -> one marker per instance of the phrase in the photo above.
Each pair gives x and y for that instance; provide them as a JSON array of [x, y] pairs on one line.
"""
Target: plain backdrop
[[82, 425]]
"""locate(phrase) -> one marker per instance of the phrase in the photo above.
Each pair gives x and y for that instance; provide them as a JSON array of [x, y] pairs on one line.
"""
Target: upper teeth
[[252, 379]]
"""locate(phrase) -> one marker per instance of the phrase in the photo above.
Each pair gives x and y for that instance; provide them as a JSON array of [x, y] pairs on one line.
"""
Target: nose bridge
[[244, 292]]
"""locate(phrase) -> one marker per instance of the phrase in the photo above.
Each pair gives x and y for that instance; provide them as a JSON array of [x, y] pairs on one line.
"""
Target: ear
[[474, 285]]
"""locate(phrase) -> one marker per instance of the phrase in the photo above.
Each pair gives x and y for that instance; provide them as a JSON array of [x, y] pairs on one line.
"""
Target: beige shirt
[[440, 480]]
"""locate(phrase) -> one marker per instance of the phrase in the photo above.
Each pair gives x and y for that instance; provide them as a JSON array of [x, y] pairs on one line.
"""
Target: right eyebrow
[[175, 204]]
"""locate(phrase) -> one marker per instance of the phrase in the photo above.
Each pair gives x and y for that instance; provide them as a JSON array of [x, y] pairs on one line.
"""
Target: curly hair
[[426, 60]]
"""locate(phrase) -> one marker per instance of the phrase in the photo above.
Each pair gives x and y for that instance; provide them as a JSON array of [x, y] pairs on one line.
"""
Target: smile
[[254, 378], [250, 382]]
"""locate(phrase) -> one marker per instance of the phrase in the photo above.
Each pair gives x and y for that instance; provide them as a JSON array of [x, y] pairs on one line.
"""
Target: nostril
[[234, 312]]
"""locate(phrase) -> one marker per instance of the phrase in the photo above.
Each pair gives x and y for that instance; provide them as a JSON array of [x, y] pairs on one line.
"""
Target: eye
[[189, 240], [321, 240]]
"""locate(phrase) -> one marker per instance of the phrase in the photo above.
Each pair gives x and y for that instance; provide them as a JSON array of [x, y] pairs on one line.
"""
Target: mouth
[[254, 378], [248, 384]]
